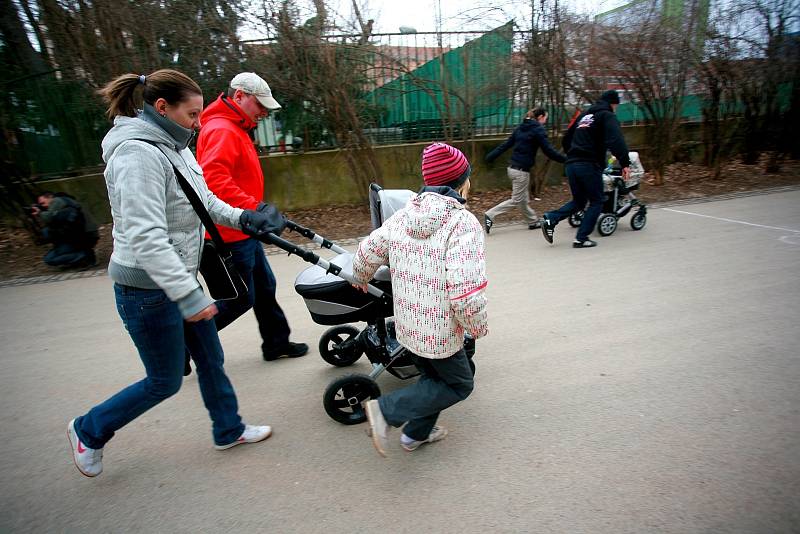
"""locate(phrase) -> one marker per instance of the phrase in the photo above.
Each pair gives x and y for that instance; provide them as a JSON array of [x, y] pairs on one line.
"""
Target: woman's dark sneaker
[[535, 225], [584, 244], [487, 223], [548, 229]]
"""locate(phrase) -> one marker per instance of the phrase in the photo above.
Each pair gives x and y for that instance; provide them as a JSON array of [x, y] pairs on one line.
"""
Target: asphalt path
[[651, 384]]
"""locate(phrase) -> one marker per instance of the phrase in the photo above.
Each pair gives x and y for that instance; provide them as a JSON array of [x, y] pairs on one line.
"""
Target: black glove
[[262, 221]]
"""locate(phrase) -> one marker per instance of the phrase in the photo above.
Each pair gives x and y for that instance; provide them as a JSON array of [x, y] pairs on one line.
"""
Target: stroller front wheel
[[344, 397], [606, 224], [340, 346], [575, 219], [638, 220]]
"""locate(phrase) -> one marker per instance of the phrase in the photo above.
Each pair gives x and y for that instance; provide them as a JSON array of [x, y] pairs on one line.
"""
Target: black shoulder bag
[[216, 264]]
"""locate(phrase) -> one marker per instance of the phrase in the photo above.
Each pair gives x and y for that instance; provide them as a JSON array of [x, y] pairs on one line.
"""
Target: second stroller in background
[[619, 199]]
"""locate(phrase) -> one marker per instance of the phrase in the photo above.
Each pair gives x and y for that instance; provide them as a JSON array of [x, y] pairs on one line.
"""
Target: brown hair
[[535, 113], [171, 85]]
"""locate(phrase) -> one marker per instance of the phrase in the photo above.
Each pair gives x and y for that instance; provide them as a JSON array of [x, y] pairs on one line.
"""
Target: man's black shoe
[[290, 350], [487, 223], [548, 229], [584, 244], [535, 225]]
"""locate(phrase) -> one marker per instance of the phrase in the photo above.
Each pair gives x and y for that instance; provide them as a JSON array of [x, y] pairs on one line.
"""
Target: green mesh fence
[[463, 91]]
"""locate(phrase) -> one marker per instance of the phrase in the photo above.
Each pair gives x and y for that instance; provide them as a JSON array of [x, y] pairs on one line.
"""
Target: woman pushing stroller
[[157, 243], [435, 248]]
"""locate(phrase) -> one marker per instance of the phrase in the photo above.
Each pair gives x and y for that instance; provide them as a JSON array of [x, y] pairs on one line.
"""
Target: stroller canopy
[[383, 203]]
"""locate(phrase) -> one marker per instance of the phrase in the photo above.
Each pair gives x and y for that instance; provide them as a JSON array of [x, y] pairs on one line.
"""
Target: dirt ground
[[21, 257]]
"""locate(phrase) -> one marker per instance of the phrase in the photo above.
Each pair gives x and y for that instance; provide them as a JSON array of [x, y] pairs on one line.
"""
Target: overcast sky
[[390, 15], [462, 14]]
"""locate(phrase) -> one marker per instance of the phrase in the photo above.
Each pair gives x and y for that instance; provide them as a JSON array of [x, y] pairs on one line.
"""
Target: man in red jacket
[[233, 172]]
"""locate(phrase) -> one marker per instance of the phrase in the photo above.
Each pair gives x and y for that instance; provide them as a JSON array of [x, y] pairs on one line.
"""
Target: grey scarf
[[182, 136]]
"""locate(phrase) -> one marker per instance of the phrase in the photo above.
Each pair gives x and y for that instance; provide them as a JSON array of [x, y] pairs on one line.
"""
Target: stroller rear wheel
[[340, 346], [575, 219], [606, 224], [344, 396]]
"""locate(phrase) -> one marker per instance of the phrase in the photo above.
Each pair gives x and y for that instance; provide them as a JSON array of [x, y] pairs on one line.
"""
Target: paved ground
[[650, 384]]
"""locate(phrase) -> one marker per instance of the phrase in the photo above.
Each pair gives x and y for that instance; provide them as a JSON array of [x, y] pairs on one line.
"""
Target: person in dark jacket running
[[526, 140], [585, 143]]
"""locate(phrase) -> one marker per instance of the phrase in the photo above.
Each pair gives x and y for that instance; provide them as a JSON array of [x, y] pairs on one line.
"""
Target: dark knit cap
[[610, 96]]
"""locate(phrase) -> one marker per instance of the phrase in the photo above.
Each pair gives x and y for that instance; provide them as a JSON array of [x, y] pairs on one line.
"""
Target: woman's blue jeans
[[161, 336]]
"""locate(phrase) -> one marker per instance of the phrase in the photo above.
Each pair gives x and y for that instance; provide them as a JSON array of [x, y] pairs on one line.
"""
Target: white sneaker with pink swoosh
[[251, 434], [88, 461]]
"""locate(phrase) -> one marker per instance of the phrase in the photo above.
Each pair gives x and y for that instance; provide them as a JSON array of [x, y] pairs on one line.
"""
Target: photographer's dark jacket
[[67, 223], [526, 140], [591, 133]]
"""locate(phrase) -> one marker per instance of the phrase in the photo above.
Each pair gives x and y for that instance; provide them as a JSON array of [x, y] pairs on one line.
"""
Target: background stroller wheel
[[606, 224], [344, 396], [575, 219], [638, 220], [340, 346]]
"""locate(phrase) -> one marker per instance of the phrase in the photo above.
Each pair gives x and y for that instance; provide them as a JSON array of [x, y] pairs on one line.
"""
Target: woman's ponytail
[[119, 95], [171, 85]]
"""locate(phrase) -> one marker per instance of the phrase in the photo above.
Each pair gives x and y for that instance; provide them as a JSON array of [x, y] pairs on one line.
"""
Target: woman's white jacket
[[156, 230]]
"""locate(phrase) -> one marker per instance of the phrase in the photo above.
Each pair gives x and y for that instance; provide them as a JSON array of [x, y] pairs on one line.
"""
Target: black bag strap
[[197, 204]]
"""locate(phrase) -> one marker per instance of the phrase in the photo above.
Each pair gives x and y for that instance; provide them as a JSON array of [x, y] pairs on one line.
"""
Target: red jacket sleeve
[[218, 154]]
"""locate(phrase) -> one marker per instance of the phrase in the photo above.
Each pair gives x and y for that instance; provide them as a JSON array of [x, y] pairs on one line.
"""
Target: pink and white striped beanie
[[443, 164]]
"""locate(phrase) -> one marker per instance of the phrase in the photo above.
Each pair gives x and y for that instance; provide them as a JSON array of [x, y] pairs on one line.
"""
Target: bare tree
[[652, 61], [545, 63], [772, 55], [325, 78], [718, 79]]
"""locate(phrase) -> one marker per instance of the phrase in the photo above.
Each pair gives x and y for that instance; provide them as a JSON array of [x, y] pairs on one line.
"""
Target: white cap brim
[[268, 102]]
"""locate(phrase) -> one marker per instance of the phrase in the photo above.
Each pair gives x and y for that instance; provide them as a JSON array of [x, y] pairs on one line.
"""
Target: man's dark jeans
[[441, 384], [586, 184], [67, 255], [248, 255]]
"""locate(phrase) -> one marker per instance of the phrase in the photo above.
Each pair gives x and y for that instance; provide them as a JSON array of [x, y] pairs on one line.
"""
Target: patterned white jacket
[[434, 248]]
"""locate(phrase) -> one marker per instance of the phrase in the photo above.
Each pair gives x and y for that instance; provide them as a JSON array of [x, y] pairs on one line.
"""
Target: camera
[[34, 208]]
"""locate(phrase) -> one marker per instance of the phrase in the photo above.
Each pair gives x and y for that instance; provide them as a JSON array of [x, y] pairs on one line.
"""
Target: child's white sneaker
[[251, 434], [378, 427], [88, 461], [438, 432]]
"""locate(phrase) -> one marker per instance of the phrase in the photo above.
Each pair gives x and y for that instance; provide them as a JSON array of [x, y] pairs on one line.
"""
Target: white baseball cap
[[253, 84]]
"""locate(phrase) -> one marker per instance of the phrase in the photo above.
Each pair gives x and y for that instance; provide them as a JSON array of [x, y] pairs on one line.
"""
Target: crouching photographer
[[72, 231]]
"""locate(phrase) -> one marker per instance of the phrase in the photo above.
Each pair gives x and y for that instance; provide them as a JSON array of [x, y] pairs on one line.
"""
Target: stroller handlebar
[[314, 259], [318, 239]]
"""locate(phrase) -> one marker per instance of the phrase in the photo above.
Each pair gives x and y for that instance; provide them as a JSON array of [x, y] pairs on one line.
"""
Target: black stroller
[[619, 200], [332, 300]]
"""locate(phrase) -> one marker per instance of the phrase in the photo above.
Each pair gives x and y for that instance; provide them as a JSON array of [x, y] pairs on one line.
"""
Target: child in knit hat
[[435, 249]]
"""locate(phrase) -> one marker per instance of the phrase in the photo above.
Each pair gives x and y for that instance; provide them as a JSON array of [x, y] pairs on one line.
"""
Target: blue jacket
[[526, 140]]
